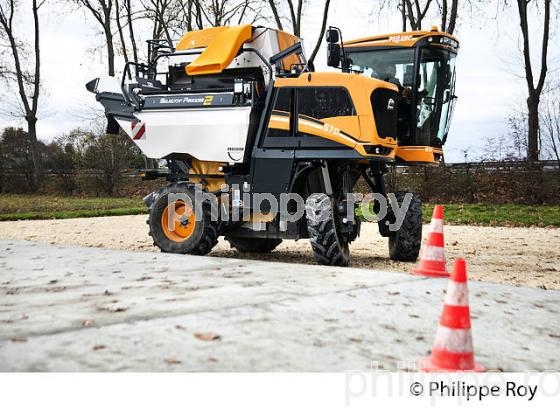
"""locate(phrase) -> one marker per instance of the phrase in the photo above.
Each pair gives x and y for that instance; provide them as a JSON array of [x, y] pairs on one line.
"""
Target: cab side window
[[281, 120], [325, 102]]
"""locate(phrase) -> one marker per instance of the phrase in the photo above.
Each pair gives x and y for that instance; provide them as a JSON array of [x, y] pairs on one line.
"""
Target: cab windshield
[[429, 100], [395, 65], [436, 97]]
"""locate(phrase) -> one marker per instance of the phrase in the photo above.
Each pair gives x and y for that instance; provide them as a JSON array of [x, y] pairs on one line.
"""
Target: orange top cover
[[222, 45]]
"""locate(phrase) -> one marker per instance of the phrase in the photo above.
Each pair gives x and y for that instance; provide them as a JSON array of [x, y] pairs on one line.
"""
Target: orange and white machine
[[239, 110]]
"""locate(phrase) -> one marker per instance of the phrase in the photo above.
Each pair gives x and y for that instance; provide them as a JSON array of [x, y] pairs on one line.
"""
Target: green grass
[[498, 215], [495, 215], [20, 207]]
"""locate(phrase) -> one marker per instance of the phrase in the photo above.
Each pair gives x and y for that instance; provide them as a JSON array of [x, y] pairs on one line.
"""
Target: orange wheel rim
[[178, 221]]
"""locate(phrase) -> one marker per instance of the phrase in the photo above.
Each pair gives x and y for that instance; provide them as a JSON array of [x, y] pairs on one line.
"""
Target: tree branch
[[322, 33], [276, 15], [544, 53]]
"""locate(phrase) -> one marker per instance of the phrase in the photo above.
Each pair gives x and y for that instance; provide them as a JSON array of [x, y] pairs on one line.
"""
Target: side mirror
[[333, 55], [332, 36]]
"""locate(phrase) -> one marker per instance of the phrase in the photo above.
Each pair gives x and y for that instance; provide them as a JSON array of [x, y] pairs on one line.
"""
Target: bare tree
[[191, 14], [102, 11], [534, 91], [322, 32], [295, 14], [124, 19], [550, 121], [225, 12], [128, 8], [164, 15], [449, 10], [118, 9], [172, 17], [28, 82], [416, 11], [296, 11], [277, 19]]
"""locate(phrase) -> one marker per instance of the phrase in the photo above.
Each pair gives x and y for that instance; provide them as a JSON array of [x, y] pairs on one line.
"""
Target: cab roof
[[405, 39]]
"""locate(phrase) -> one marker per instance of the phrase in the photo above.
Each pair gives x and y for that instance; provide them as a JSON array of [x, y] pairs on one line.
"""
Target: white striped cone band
[[457, 294], [433, 253], [453, 340], [436, 225]]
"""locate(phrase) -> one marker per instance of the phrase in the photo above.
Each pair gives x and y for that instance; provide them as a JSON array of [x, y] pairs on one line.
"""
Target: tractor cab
[[422, 65]]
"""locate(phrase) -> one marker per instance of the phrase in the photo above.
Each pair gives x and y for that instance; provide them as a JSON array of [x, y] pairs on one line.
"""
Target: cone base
[[430, 273], [426, 365]]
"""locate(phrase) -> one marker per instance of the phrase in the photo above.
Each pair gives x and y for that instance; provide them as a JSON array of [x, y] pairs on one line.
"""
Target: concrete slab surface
[[66, 308]]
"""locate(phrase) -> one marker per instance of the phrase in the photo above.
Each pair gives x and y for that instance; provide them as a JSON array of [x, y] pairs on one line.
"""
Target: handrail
[[153, 66]]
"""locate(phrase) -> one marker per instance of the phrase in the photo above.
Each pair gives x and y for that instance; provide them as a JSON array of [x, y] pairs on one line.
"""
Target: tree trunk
[[453, 16], [322, 33], [533, 128], [275, 14], [131, 30], [444, 15], [32, 115], [534, 92], [403, 15], [35, 154], [110, 52], [121, 31]]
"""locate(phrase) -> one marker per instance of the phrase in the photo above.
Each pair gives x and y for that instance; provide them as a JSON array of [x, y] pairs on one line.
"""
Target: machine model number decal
[[331, 129]]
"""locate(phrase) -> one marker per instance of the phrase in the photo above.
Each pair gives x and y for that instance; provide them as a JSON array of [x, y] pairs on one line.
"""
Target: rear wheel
[[404, 244], [329, 247], [176, 228], [254, 245]]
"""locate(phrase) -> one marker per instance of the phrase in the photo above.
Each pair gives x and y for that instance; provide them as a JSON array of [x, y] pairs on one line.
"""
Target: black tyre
[[404, 244], [187, 233], [329, 248], [254, 245]]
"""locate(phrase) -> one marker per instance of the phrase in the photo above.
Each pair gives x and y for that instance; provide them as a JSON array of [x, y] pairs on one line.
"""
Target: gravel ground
[[519, 256]]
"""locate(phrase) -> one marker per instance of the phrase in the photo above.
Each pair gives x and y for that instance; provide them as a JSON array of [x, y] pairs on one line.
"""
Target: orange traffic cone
[[432, 259], [453, 347]]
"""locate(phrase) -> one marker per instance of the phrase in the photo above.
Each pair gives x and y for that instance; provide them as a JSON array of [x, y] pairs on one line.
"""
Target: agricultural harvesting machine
[[239, 111]]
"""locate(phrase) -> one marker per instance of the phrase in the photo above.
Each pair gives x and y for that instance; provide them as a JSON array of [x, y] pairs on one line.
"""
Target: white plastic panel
[[208, 134]]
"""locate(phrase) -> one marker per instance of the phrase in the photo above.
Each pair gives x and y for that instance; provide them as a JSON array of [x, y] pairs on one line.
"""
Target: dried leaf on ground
[[207, 336]]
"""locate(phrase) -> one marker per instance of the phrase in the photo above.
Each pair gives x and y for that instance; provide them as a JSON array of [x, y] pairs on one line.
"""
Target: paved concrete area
[[67, 308]]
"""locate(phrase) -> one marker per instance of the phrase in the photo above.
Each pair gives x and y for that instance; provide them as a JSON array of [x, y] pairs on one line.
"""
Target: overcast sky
[[489, 66]]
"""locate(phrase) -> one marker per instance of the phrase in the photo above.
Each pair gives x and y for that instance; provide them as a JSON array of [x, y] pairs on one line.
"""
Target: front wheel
[[404, 244], [176, 228], [329, 246]]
